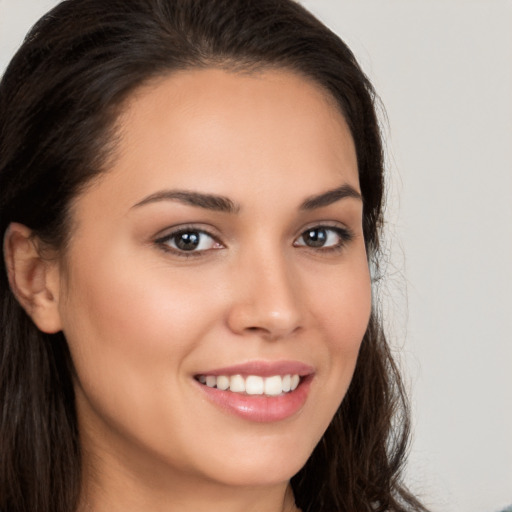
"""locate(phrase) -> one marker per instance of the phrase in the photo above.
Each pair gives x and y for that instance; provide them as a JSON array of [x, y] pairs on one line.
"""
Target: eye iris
[[187, 241], [315, 237]]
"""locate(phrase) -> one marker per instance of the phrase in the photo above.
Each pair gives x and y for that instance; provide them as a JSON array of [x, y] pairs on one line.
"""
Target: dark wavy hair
[[60, 98]]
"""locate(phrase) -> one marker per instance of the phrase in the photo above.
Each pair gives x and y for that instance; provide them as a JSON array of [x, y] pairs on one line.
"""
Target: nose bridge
[[268, 301]]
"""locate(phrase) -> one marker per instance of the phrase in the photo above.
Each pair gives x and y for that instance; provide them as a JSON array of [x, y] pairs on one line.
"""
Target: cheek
[[129, 323], [133, 329], [342, 312], [119, 297], [344, 307]]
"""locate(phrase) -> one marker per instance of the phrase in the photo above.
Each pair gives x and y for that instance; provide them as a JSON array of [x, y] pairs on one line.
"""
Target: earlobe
[[32, 278]]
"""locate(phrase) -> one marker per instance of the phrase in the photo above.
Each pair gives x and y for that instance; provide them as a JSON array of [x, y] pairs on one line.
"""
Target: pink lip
[[263, 368], [260, 408]]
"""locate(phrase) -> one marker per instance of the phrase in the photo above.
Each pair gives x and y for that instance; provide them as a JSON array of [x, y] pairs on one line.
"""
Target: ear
[[33, 279]]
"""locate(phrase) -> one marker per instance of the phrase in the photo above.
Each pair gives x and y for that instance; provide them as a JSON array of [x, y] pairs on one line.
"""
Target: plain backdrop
[[443, 69]]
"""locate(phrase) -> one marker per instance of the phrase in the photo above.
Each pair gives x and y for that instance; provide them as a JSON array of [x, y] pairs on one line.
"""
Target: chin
[[259, 475], [267, 465]]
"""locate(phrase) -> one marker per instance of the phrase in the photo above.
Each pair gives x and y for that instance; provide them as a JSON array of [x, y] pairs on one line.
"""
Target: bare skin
[[278, 276]]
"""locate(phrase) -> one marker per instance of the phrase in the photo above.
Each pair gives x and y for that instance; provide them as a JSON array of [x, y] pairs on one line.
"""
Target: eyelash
[[163, 242], [344, 235]]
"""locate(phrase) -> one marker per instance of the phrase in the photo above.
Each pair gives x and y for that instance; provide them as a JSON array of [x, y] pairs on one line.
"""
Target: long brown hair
[[59, 100]]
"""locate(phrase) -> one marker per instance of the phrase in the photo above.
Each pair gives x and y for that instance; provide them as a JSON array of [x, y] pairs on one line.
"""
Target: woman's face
[[222, 250]]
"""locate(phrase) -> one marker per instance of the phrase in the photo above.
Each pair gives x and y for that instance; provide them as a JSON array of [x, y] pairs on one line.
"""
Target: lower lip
[[260, 408]]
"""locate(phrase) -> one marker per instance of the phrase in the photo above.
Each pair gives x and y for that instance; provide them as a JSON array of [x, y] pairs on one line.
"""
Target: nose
[[267, 301]]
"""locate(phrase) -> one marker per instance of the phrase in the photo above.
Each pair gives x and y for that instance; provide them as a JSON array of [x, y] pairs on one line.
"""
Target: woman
[[191, 196]]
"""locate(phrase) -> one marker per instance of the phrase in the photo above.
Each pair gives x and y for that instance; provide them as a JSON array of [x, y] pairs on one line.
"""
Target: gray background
[[443, 69]]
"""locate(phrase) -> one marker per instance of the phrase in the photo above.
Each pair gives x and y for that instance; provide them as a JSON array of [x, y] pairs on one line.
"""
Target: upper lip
[[263, 369]]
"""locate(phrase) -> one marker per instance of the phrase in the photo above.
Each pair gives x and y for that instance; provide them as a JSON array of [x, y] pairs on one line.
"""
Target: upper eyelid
[[174, 230], [335, 225], [345, 238], [338, 229], [168, 234], [163, 240]]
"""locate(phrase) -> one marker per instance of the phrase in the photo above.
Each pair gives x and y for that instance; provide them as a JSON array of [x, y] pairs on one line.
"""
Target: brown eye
[[315, 237], [324, 237], [189, 240]]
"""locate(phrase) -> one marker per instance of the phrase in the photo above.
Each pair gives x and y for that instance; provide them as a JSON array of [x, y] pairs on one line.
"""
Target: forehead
[[227, 132]]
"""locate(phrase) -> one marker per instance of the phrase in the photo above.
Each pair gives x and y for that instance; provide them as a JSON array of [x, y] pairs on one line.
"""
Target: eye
[[188, 241], [324, 237]]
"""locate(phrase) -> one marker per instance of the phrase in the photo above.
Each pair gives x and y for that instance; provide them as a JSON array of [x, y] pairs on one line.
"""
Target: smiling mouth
[[274, 385]]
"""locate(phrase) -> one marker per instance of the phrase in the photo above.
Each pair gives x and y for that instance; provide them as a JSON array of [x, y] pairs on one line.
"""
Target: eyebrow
[[207, 201], [330, 197], [226, 205]]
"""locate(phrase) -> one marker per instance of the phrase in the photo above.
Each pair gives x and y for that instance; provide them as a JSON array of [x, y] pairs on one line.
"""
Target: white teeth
[[273, 385], [222, 382], [287, 380], [253, 384], [237, 384]]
